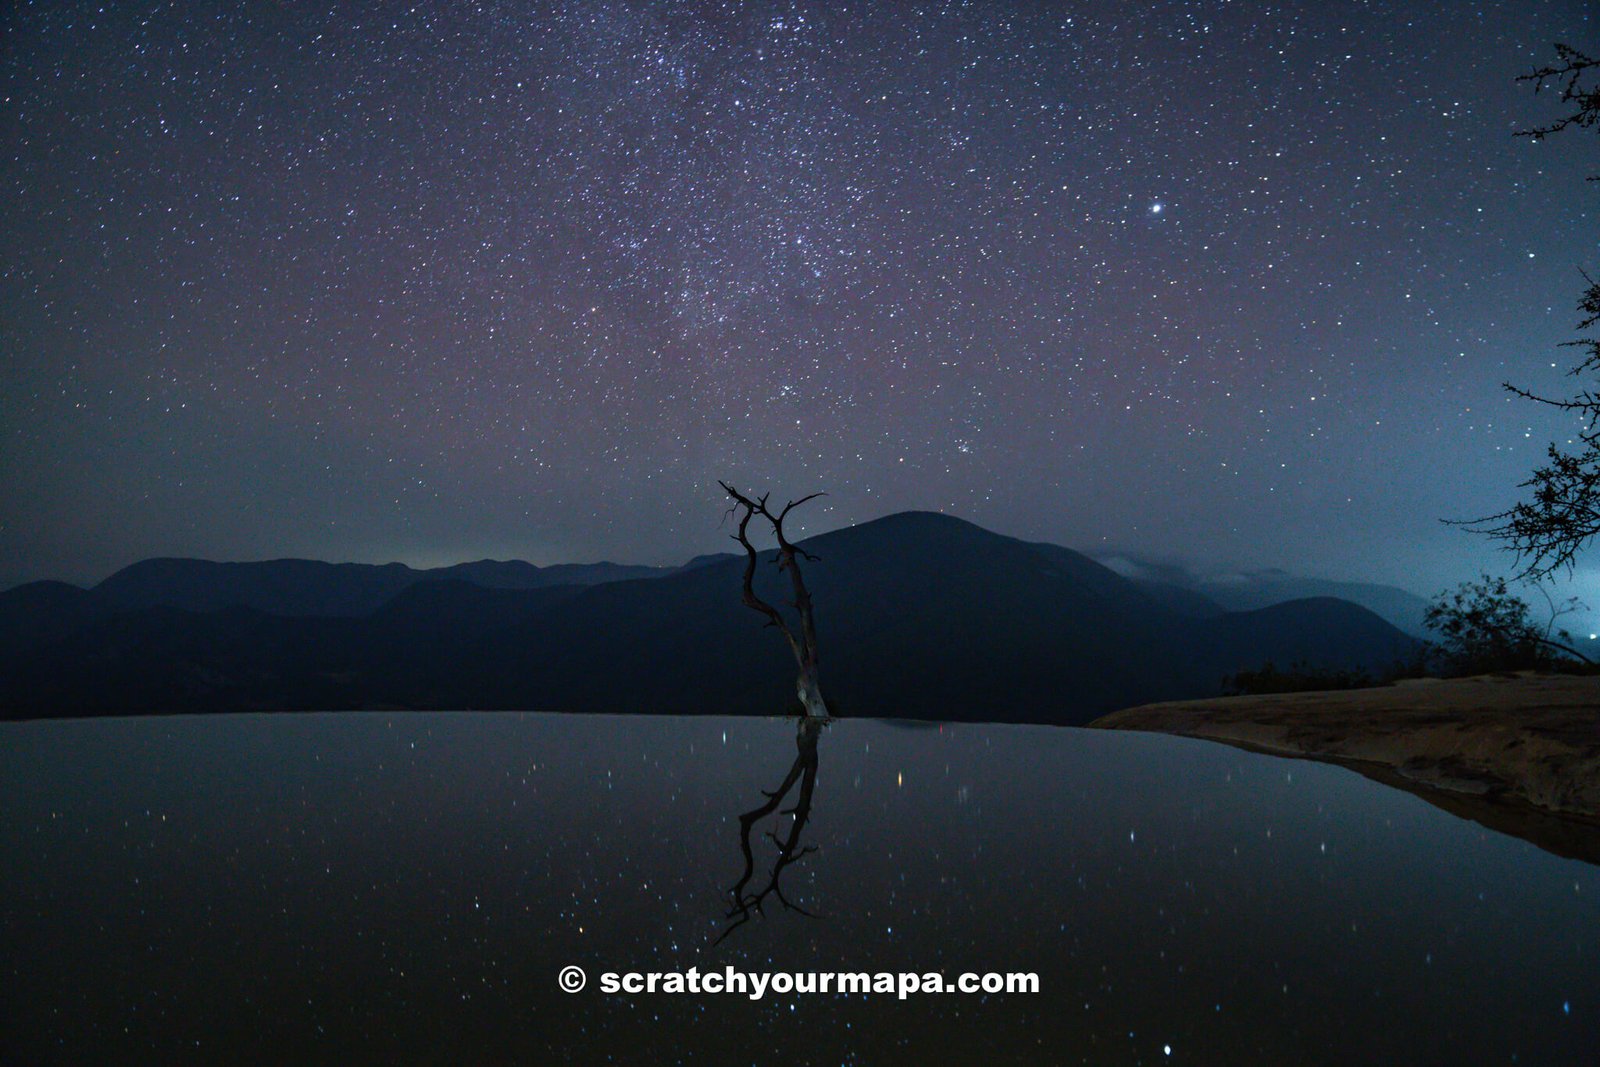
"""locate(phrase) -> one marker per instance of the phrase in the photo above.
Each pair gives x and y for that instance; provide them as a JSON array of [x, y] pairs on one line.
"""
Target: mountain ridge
[[921, 615]]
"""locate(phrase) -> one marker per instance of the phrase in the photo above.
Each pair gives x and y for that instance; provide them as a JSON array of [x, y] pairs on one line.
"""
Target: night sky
[[431, 282]]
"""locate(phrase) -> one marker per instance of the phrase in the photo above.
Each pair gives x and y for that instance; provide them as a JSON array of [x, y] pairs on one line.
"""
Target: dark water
[[373, 888]]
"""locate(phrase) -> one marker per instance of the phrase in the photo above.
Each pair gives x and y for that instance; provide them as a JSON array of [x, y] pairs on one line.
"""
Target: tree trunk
[[810, 693]]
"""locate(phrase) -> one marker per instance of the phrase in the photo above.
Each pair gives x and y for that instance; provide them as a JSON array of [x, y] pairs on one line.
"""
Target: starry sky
[[1220, 282]]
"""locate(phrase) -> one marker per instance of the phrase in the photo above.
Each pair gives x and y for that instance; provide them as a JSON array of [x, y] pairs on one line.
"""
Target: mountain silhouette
[[311, 587], [921, 615]]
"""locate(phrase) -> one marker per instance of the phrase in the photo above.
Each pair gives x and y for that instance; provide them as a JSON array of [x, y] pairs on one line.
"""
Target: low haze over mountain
[[1247, 590]]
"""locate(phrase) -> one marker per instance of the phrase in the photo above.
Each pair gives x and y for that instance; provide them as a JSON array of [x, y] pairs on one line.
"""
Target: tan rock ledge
[[1519, 753]]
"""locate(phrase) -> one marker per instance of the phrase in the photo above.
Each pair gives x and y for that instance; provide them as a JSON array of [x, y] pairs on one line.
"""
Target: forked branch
[[804, 770], [802, 644]]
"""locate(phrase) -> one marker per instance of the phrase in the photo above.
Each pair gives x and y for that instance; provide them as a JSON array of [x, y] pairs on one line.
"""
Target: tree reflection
[[804, 771]]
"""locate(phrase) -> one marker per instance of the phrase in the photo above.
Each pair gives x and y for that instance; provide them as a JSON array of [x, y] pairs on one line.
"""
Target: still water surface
[[405, 888]]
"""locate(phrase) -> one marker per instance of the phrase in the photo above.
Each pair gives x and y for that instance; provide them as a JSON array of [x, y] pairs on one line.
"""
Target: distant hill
[[279, 586], [311, 587], [1247, 590], [40, 612], [920, 616]]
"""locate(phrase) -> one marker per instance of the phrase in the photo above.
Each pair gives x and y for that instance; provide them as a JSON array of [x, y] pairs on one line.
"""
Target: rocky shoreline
[[1519, 753]]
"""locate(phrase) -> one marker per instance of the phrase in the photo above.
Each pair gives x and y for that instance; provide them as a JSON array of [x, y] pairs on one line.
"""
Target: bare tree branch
[[1567, 74], [804, 644], [804, 770], [751, 600]]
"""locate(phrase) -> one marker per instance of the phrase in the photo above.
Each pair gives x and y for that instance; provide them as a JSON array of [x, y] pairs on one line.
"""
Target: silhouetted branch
[[751, 600], [1567, 73], [804, 644], [1560, 515], [804, 770]]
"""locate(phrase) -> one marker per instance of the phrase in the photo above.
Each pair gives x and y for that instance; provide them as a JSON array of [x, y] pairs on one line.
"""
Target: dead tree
[[804, 771], [803, 644]]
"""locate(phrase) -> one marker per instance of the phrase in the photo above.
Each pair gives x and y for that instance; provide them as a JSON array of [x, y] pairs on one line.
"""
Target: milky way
[[435, 282]]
